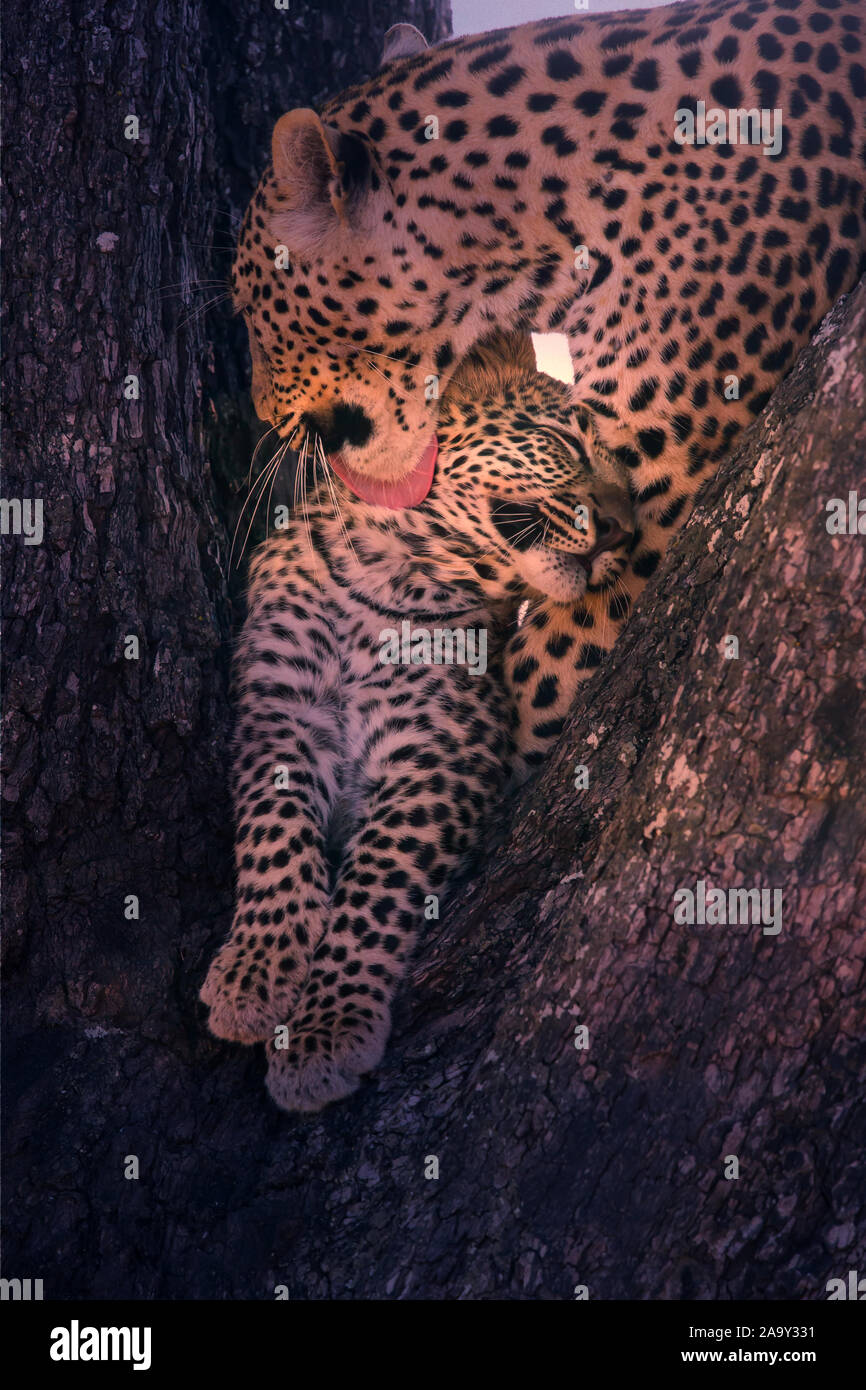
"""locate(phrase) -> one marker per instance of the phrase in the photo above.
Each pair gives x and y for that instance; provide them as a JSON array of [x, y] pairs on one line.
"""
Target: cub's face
[[349, 344], [535, 491]]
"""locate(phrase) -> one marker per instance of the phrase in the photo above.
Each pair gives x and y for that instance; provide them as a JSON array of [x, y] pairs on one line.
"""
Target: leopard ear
[[402, 41], [321, 173]]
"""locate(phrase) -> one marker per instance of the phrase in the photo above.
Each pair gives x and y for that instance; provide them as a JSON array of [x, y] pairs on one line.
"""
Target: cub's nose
[[608, 533], [345, 424], [613, 518]]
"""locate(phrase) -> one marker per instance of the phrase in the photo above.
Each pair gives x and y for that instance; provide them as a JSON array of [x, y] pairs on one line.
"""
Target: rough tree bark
[[558, 1166]]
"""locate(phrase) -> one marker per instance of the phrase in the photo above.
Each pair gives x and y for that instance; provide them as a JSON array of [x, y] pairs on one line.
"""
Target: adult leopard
[[537, 177], [365, 769]]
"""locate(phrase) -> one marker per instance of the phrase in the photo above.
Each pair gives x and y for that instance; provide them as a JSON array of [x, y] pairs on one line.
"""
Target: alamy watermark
[[20, 1290], [717, 907], [77, 1343], [846, 516], [22, 516], [851, 1288], [441, 646], [735, 127]]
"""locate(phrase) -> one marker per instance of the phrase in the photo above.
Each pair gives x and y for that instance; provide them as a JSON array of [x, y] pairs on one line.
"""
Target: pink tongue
[[406, 492]]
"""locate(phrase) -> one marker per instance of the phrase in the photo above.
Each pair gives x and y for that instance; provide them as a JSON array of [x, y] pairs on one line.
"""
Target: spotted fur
[[704, 263], [362, 788]]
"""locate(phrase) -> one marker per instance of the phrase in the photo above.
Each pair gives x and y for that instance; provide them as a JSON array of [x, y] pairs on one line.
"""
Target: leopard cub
[[377, 729]]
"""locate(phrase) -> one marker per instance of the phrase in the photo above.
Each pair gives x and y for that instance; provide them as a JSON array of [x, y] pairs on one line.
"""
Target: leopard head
[[525, 478], [348, 335]]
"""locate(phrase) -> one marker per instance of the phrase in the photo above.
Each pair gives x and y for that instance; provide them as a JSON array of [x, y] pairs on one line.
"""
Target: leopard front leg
[[427, 800], [282, 885], [286, 770]]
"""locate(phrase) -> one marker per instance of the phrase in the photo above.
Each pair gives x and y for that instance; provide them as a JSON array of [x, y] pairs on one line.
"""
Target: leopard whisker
[[257, 484], [338, 511], [197, 313], [269, 473], [305, 516], [278, 426], [401, 362], [195, 285], [280, 454], [260, 482], [395, 389]]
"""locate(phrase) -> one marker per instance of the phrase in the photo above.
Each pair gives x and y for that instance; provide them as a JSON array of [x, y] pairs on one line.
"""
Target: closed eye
[[571, 441]]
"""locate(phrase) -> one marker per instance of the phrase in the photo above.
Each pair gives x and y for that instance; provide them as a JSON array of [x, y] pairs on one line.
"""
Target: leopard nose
[[345, 424], [609, 533], [613, 518]]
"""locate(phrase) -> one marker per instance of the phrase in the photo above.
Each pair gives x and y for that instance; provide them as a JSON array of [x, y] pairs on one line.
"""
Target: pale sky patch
[[474, 16]]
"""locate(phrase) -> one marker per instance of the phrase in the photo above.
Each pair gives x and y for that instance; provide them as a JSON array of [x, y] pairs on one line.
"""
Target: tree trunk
[[608, 1165]]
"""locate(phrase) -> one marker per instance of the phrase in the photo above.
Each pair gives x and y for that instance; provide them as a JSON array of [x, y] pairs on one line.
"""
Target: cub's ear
[[491, 364], [321, 173], [513, 348], [402, 41]]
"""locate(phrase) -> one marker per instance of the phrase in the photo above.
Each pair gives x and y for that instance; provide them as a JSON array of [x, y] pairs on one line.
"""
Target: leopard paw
[[247, 998], [321, 1060], [307, 1084]]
